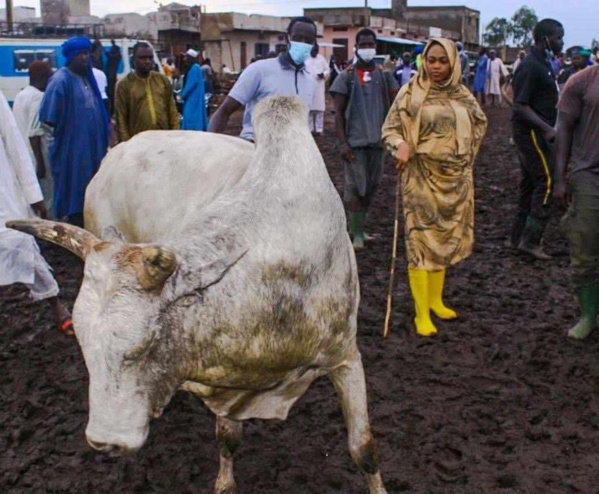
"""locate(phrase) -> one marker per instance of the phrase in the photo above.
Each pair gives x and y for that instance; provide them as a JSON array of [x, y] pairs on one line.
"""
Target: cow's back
[[152, 186]]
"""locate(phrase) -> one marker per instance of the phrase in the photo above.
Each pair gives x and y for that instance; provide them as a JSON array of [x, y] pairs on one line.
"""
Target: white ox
[[247, 293]]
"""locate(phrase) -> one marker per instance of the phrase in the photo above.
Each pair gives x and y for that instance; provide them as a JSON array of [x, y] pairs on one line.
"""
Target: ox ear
[[191, 282], [77, 240], [154, 266]]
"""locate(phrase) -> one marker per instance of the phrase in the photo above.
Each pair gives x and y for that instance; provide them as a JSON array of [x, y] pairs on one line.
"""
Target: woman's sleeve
[[393, 132], [479, 127]]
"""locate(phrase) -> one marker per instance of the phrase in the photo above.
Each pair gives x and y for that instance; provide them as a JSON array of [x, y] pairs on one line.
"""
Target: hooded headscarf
[[74, 46], [419, 87]]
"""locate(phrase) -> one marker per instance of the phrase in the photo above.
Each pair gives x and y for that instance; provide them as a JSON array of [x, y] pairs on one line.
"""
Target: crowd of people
[[424, 109]]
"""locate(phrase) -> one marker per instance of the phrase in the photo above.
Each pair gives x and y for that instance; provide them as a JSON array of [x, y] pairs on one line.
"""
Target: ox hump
[[279, 112]]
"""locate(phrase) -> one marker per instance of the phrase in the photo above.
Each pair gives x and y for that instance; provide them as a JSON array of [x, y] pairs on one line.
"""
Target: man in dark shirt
[[534, 115], [578, 146], [363, 95]]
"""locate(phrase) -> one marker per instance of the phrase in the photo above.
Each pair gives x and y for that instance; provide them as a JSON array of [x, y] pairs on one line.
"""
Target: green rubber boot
[[588, 298], [357, 229]]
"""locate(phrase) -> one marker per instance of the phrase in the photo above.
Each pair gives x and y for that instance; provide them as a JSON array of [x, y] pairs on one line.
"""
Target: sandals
[[66, 326]]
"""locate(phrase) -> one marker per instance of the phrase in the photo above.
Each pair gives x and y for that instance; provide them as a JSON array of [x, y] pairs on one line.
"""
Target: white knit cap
[[192, 53]]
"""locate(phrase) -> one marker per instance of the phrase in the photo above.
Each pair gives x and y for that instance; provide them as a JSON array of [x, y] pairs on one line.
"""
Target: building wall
[[58, 11], [79, 7], [19, 14], [130, 25], [229, 49], [415, 22], [462, 21]]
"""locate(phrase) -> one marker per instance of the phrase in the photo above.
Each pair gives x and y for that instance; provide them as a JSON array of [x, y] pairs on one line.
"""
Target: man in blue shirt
[[195, 116], [284, 75]]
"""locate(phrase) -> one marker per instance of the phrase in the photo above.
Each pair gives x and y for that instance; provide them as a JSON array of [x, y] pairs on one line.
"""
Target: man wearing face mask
[[284, 75], [533, 122], [363, 95]]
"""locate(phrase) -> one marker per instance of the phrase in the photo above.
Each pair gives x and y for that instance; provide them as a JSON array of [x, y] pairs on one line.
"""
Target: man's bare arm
[[565, 132], [220, 119]]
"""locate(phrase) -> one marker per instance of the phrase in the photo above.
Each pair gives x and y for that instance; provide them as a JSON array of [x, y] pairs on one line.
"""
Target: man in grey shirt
[[284, 75], [363, 95]]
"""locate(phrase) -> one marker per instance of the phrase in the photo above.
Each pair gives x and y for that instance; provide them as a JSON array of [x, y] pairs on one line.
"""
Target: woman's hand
[[403, 154]]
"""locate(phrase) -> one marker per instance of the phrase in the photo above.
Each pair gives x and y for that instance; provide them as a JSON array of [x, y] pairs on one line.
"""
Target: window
[[24, 58], [341, 53], [340, 28], [261, 49]]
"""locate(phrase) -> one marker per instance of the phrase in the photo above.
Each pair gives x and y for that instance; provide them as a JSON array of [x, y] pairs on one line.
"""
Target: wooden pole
[[393, 259]]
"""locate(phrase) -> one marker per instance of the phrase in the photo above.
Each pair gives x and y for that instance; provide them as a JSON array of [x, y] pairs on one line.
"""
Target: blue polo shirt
[[271, 77]]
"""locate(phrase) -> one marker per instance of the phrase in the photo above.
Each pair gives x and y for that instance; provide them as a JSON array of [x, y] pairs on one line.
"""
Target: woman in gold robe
[[434, 130]]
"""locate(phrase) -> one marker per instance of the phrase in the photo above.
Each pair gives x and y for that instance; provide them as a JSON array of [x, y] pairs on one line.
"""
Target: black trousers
[[537, 163]]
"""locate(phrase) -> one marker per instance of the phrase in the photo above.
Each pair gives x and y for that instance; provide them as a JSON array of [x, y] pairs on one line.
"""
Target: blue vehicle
[[17, 54]]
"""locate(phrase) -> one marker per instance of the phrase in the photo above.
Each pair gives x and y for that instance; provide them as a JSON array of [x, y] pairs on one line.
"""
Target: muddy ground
[[501, 401]]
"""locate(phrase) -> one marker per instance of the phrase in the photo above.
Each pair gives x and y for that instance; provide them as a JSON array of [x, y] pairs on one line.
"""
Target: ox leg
[[350, 383], [228, 435]]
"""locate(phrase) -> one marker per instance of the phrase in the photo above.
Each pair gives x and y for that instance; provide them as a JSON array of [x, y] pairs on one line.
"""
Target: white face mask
[[366, 54]]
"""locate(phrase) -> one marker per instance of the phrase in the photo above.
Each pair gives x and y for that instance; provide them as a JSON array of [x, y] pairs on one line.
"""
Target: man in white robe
[[26, 109], [496, 72], [318, 68], [21, 198]]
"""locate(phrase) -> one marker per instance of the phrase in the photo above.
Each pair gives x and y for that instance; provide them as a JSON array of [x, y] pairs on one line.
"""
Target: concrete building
[[178, 27], [172, 29], [462, 22], [397, 23], [234, 39], [130, 25], [59, 11], [19, 14]]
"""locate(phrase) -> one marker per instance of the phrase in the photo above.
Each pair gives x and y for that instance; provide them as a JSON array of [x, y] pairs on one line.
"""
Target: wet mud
[[499, 402]]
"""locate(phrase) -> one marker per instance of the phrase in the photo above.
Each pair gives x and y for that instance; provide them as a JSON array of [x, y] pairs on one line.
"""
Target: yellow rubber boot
[[419, 285], [436, 281]]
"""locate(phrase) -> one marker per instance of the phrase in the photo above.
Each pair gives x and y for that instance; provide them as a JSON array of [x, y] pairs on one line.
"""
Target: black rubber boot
[[517, 229], [530, 241]]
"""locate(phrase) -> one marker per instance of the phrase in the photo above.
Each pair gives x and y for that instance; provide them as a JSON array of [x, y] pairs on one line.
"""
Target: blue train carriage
[[17, 54]]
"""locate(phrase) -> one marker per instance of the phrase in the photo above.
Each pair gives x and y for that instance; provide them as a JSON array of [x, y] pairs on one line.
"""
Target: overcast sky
[[578, 16]]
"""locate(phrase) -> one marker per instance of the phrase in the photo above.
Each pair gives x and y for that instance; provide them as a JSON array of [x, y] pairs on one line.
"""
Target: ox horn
[[74, 239], [157, 264]]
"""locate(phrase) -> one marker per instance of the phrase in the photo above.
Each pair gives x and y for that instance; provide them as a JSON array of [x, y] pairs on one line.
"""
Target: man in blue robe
[[480, 77], [195, 116], [73, 108]]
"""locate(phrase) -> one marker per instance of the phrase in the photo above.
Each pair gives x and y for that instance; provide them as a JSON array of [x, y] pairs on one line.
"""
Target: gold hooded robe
[[444, 126]]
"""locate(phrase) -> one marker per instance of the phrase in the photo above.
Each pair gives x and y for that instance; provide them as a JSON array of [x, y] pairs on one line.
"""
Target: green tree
[[522, 23], [497, 32]]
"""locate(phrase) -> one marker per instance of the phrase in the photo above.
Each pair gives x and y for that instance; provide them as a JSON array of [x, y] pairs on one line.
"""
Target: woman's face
[[437, 64]]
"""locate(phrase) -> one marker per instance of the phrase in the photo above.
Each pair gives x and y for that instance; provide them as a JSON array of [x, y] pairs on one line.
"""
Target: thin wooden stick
[[393, 259]]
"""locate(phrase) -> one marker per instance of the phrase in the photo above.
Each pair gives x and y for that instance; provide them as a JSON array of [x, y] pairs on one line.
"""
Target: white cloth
[[496, 69], [20, 259], [26, 110], [102, 82], [314, 66], [316, 120]]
